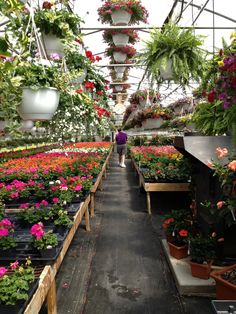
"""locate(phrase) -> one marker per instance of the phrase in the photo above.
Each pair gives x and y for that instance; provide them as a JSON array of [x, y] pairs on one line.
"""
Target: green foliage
[[176, 44], [63, 219], [202, 248], [15, 287], [61, 23], [212, 119]]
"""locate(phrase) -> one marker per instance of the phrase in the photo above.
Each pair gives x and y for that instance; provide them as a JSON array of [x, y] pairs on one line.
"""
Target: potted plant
[[41, 86], [45, 242], [122, 12], [145, 96], [225, 283], [14, 285], [173, 53], [63, 221], [7, 241], [55, 25], [202, 249], [120, 37], [177, 225], [120, 54], [154, 116]]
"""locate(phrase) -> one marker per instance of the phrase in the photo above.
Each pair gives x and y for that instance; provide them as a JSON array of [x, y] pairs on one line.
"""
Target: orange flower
[[221, 152], [232, 165]]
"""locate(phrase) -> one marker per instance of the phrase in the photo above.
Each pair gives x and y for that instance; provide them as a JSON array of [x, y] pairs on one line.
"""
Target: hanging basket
[[53, 44], [120, 69], [120, 17], [39, 104], [119, 75], [166, 72], [120, 39], [152, 123], [118, 88], [119, 56], [80, 78], [145, 102]]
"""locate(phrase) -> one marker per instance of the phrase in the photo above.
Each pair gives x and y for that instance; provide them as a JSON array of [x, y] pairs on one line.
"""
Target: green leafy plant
[[14, 285], [6, 230], [202, 248], [180, 46], [63, 219]]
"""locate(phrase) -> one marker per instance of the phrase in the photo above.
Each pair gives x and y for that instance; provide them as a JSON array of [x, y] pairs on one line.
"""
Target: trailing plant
[[133, 35], [129, 50], [180, 46]]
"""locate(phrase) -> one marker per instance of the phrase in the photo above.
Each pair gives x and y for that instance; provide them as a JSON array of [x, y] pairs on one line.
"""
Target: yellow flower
[[232, 35], [220, 63]]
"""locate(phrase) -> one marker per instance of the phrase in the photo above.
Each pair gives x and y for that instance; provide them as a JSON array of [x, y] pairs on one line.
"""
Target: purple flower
[[226, 105]]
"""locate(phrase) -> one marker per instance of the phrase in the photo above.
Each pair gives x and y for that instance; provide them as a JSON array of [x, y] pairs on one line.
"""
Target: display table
[[47, 285], [157, 187]]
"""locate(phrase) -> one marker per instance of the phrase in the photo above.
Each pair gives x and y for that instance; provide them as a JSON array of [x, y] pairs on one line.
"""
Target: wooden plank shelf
[[98, 183], [47, 285], [158, 187]]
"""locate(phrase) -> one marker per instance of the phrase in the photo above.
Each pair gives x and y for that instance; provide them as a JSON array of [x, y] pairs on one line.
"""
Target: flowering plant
[[177, 225], [6, 239], [41, 239], [134, 7], [14, 282], [144, 94], [156, 112], [133, 35], [225, 169], [129, 50], [62, 219]]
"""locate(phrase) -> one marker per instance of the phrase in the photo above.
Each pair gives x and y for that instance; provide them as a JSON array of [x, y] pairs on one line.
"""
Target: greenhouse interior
[[117, 157]]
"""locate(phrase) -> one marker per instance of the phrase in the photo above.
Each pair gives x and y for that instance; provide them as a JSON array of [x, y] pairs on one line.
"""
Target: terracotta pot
[[225, 290], [178, 252], [200, 270], [120, 17]]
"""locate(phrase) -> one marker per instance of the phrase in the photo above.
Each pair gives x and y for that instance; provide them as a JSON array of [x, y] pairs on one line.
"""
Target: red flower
[[183, 233], [99, 92], [47, 5], [211, 96], [89, 85], [79, 91], [98, 58], [88, 53]]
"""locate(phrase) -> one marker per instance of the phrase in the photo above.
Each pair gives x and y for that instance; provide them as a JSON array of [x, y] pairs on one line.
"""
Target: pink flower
[[55, 200], [23, 206], [14, 195], [37, 230], [221, 152], [5, 222], [4, 232], [232, 165], [78, 187], [3, 270], [14, 265], [44, 202], [220, 204]]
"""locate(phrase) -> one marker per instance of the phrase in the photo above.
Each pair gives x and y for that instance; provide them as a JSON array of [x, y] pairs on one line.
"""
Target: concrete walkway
[[119, 267]]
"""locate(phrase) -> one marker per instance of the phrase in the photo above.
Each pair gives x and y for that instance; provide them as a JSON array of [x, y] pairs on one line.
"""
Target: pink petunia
[[3, 270], [4, 232], [55, 200], [14, 265]]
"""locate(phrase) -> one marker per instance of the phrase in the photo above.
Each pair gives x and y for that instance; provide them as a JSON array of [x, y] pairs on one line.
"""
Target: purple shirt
[[121, 138]]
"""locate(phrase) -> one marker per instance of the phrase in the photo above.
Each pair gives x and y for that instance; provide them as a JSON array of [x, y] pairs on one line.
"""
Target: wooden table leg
[[149, 203], [105, 173], [52, 299], [92, 204], [87, 222]]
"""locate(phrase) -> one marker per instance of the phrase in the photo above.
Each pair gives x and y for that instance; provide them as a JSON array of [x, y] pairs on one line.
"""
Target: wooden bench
[[47, 285], [158, 187]]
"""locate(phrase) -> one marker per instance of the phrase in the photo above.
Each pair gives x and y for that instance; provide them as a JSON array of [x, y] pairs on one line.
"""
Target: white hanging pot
[[119, 75], [120, 69], [120, 17], [118, 88], [27, 125], [166, 72], [39, 104], [119, 56], [53, 44], [120, 39], [152, 123]]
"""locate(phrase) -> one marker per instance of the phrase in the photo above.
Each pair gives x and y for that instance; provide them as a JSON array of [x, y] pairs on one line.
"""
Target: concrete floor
[[119, 267]]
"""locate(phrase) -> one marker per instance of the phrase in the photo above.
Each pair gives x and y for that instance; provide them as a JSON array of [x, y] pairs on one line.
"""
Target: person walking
[[121, 139]]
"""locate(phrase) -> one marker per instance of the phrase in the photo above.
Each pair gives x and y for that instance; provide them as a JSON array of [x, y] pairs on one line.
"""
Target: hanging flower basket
[[119, 75], [109, 33], [152, 123], [120, 39], [119, 56], [118, 88], [39, 104], [120, 69], [120, 17], [52, 44]]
